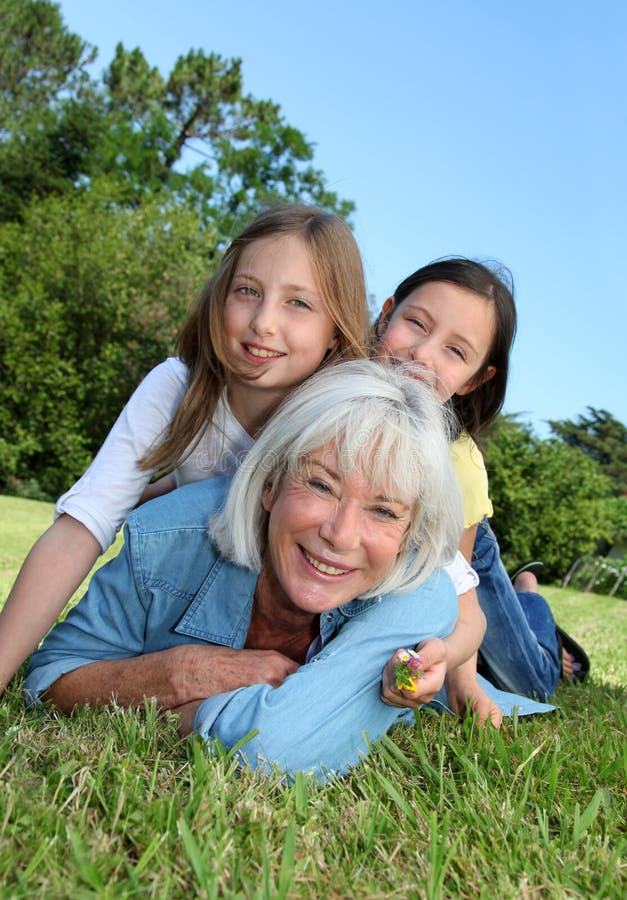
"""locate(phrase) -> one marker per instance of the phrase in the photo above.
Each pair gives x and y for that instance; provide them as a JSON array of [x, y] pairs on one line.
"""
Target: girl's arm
[[113, 484], [462, 644], [51, 572], [462, 689], [90, 514]]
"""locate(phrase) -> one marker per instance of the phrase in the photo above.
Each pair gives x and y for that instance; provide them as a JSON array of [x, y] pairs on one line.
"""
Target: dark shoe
[[534, 565], [581, 665]]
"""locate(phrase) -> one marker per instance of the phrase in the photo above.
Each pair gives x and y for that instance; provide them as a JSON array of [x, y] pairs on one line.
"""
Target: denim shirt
[[169, 585]]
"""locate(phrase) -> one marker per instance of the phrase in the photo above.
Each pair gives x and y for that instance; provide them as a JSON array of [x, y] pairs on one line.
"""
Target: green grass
[[21, 523], [596, 622], [109, 803]]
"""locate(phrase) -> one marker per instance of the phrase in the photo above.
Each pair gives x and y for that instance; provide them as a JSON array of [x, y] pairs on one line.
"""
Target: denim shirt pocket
[[220, 612]]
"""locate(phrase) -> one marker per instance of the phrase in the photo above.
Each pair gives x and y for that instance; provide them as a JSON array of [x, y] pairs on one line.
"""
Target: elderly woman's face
[[331, 537]]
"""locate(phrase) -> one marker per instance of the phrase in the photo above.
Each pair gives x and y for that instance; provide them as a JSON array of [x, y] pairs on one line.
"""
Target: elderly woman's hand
[[433, 660]]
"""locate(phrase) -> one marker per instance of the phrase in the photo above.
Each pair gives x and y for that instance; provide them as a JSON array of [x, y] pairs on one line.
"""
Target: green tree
[[195, 134], [91, 297], [117, 195], [601, 437], [551, 501], [39, 58], [249, 155], [50, 118]]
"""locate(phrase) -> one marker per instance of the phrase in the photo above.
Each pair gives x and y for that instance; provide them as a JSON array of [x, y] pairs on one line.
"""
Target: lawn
[[111, 803]]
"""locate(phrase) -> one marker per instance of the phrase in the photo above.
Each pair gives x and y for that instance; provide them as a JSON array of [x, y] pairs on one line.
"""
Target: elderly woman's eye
[[319, 485], [385, 512]]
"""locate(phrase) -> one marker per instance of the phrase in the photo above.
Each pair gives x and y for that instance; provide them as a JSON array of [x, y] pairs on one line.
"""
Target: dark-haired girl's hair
[[494, 283]]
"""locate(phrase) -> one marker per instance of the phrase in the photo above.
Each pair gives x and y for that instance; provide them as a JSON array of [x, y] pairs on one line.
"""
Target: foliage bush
[[105, 233], [603, 438], [92, 297], [551, 501]]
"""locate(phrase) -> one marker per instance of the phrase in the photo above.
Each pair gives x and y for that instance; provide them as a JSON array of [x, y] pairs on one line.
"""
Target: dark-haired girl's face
[[446, 331]]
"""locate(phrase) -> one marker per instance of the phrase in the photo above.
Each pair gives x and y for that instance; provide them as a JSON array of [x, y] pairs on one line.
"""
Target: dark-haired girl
[[454, 321]]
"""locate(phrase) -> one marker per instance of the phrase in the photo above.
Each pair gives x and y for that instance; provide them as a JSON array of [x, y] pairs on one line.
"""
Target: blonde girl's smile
[[259, 353], [275, 320]]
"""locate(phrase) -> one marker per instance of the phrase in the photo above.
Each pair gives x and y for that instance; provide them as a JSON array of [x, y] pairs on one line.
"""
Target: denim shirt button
[[329, 617]]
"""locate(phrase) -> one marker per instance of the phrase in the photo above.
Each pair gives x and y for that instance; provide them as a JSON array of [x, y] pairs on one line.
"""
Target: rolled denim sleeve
[[322, 718]]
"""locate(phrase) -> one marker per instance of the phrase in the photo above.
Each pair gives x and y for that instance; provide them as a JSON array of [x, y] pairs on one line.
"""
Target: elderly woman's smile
[[331, 535]]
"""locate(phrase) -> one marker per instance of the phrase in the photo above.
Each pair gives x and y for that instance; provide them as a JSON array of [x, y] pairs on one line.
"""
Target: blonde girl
[[288, 297]]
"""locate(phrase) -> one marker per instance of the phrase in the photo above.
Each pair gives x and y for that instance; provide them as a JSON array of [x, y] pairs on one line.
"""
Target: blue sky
[[486, 129]]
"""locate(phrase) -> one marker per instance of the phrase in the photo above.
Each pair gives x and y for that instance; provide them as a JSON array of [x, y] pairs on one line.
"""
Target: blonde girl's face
[[446, 331], [275, 321]]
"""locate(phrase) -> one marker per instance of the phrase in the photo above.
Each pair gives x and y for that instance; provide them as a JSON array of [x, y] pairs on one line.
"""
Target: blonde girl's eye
[[458, 352], [246, 290], [299, 303]]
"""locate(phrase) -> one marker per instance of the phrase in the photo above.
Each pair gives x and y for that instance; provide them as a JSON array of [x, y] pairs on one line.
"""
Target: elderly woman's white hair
[[385, 424]]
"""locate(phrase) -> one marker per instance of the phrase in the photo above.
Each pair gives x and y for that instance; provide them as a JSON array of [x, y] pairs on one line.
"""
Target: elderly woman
[[321, 558]]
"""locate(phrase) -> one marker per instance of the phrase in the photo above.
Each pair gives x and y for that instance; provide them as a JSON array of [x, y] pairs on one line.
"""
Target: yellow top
[[473, 479]]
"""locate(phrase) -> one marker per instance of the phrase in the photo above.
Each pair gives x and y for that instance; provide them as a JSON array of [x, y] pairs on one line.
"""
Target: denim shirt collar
[[221, 609], [356, 607]]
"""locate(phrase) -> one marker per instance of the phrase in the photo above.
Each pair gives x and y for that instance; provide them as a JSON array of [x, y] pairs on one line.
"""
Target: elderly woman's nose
[[342, 527]]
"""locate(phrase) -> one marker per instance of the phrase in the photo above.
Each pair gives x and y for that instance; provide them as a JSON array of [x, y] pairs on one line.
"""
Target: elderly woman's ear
[[404, 544], [267, 500]]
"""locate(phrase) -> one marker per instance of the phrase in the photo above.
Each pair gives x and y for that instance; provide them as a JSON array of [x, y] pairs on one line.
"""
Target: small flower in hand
[[408, 671]]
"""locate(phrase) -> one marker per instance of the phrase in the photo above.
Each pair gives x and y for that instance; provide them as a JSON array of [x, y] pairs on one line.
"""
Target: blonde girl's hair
[[339, 275]]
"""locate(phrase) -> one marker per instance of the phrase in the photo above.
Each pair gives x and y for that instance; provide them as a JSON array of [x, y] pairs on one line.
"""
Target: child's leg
[[519, 650]]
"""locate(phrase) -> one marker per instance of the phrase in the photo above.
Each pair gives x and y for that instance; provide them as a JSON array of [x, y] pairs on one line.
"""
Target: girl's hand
[[157, 488], [186, 713], [466, 696], [433, 659]]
